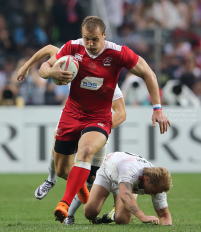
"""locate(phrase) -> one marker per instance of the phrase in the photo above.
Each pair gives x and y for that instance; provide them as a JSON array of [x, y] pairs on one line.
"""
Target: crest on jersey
[[107, 61], [78, 57]]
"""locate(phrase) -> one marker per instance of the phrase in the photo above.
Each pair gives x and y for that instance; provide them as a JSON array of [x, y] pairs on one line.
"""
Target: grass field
[[20, 211]]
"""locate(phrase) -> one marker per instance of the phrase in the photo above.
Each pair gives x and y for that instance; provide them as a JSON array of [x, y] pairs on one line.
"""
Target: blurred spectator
[[167, 70], [7, 97], [183, 9], [67, 18], [6, 43], [13, 12], [176, 93], [188, 72], [7, 71], [195, 12], [175, 51], [197, 89], [8, 90], [33, 88], [30, 35], [115, 12], [135, 42], [50, 96], [56, 94], [62, 92], [163, 13], [179, 46], [25, 25], [135, 91], [129, 10]]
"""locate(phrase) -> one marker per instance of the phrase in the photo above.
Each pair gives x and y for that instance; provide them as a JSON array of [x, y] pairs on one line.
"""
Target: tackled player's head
[[93, 33], [156, 180]]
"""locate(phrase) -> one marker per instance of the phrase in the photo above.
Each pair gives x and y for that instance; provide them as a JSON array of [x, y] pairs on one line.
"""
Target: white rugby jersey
[[117, 93], [128, 167]]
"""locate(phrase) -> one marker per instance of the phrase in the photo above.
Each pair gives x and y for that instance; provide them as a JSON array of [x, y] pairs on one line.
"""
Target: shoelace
[[46, 186]]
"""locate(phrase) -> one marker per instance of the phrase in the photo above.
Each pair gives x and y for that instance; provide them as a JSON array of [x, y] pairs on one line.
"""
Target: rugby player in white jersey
[[123, 174], [61, 170]]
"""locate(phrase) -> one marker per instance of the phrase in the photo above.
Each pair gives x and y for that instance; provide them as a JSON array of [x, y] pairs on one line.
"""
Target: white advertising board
[[26, 137]]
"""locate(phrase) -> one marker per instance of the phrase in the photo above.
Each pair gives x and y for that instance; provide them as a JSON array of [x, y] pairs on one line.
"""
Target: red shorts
[[71, 125]]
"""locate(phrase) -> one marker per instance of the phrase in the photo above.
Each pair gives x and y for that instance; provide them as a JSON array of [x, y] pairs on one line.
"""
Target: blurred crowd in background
[[166, 33]]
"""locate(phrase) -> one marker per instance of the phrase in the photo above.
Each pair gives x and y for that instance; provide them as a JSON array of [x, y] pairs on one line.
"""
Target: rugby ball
[[70, 64]]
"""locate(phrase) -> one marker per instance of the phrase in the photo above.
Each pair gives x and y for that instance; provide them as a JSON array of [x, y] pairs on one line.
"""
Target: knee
[[122, 218], [90, 212], [61, 173], [87, 151]]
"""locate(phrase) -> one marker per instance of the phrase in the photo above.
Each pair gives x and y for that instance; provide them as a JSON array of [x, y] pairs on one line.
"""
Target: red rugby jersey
[[93, 88]]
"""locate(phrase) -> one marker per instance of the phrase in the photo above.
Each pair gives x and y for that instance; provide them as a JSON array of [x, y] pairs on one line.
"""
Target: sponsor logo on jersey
[[101, 124], [107, 61], [78, 57], [91, 83]]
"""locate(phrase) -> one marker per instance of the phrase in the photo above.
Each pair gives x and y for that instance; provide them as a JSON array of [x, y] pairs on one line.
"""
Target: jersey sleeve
[[160, 201], [117, 93], [127, 172], [66, 49], [128, 58]]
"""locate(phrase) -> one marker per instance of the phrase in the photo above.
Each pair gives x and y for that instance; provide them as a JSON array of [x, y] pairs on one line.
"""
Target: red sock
[[74, 183]]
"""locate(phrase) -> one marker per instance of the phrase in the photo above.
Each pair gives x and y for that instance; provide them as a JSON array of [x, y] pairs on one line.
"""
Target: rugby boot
[[43, 189], [109, 216], [61, 211]]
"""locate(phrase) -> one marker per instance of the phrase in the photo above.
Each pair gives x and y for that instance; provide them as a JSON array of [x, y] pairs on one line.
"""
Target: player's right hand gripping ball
[[70, 64]]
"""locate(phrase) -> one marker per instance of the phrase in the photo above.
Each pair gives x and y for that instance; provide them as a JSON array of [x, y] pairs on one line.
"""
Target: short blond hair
[[92, 22], [159, 177]]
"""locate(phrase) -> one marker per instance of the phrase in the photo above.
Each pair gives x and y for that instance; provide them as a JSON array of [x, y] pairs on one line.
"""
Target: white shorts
[[103, 180]]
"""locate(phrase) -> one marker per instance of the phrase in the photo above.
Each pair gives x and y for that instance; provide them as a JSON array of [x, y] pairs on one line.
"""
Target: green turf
[[20, 211]]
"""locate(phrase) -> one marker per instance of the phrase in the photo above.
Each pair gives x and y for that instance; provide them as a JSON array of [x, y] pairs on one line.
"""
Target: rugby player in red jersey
[[86, 119], [61, 170]]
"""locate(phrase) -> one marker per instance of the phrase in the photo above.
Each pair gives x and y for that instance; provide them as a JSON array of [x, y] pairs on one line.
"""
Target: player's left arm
[[164, 216], [143, 70], [119, 115], [48, 50]]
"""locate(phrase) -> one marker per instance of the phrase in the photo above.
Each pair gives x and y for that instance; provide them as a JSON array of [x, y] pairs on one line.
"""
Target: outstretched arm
[[48, 50], [120, 112], [131, 204], [143, 70], [164, 217]]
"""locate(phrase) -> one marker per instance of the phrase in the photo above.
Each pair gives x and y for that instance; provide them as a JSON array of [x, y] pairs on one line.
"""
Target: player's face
[[150, 189], [93, 41]]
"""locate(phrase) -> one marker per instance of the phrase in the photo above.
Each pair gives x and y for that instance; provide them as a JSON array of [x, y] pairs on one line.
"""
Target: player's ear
[[104, 34]]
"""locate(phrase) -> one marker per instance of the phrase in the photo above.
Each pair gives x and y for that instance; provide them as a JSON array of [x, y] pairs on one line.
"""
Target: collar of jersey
[[95, 56]]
